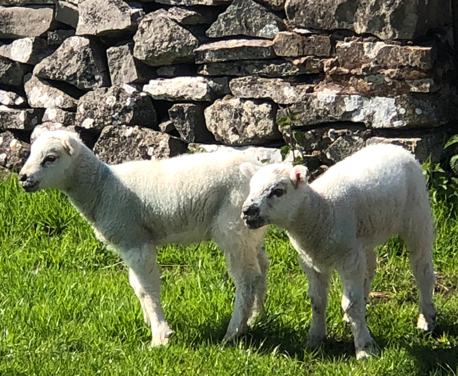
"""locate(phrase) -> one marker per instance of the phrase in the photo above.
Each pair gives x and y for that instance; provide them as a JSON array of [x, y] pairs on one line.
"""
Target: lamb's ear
[[248, 169], [69, 145], [298, 174]]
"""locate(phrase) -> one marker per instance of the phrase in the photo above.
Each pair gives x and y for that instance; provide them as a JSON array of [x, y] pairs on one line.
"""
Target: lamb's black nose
[[250, 211], [23, 177]]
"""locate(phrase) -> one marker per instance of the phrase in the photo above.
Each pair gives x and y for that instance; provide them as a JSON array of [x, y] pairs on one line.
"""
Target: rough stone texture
[[399, 19], [246, 18], [41, 94], [187, 88], [424, 146], [117, 144], [377, 85], [58, 115], [235, 121], [26, 2], [194, 2], [277, 89], [107, 17], [26, 50], [371, 56], [19, 118], [188, 119], [405, 111], [167, 126], [263, 68], [115, 106], [290, 44], [274, 4], [11, 72], [186, 16], [161, 41], [67, 13], [78, 61], [10, 98], [57, 37], [13, 152], [125, 68], [234, 49], [19, 22]]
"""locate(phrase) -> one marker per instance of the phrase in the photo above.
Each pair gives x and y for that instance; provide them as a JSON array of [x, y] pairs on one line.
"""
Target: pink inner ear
[[298, 177]]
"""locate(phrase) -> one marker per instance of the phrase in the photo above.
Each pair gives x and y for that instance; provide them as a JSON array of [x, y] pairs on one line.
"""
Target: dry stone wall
[[156, 78]]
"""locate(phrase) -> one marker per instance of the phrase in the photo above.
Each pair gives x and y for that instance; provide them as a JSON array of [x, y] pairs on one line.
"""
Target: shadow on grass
[[433, 359]]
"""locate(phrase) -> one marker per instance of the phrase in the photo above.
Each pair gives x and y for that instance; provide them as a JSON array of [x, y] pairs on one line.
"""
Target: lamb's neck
[[88, 183], [312, 220]]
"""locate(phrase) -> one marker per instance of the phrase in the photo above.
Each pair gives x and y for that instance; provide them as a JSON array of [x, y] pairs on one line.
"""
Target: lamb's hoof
[[161, 336], [346, 319], [232, 335], [254, 317], [366, 351], [313, 341], [427, 325]]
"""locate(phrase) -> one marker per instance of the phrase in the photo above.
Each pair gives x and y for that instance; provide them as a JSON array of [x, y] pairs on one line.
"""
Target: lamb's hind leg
[[144, 279], [419, 242], [353, 273], [261, 287], [249, 278]]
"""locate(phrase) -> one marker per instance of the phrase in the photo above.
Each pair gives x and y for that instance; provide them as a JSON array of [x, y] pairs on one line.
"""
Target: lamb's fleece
[[137, 206], [336, 222]]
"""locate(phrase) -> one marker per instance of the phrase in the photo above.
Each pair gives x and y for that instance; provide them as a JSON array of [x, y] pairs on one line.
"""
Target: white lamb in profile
[[337, 221], [138, 206]]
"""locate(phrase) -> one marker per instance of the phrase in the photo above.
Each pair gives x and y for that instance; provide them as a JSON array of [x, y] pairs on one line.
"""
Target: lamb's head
[[275, 192], [50, 162]]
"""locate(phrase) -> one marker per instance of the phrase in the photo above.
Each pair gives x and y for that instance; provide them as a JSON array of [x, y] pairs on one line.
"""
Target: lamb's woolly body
[[336, 221], [137, 206]]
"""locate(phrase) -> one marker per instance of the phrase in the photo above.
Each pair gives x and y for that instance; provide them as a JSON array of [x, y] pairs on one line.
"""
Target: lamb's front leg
[[318, 292], [353, 272], [145, 280]]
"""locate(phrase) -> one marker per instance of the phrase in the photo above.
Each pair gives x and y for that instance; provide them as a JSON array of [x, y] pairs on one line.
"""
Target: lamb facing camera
[[138, 206], [337, 221]]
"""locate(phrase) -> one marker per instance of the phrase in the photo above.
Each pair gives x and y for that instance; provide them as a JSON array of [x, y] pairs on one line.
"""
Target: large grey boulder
[[263, 68], [125, 68], [291, 44], [58, 115], [404, 111], [107, 17], [187, 88], [26, 50], [10, 98], [11, 72], [235, 121], [161, 41], [19, 118], [188, 119], [246, 18], [19, 22], [368, 56], [118, 144], [116, 105], [234, 49], [396, 19], [279, 90], [67, 13], [79, 61], [13, 152], [41, 94]]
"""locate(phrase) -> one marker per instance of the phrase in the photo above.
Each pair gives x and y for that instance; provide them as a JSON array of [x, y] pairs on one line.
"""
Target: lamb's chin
[[254, 223]]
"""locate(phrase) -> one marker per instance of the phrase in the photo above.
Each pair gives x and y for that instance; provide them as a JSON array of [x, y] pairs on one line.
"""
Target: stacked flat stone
[[139, 81]]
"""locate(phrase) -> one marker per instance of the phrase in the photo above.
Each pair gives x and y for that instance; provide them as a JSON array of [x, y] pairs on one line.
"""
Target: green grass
[[66, 307]]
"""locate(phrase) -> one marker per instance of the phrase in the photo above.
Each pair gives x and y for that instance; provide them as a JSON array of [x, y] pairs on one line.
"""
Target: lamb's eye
[[49, 159], [277, 192]]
